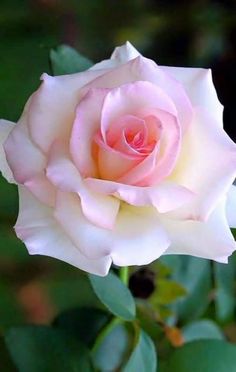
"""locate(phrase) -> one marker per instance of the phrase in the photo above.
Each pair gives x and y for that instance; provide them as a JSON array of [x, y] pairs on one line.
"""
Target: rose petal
[[137, 238], [5, 128], [207, 166], [99, 209], [211, 239], [86, 124], [52, 108], [144, 69], [164, 197], [121, 54], [231, 206], [42, 235], [199, 87]]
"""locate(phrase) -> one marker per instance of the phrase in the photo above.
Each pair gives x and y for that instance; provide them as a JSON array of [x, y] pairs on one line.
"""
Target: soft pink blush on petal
[[133, 99], [164, 197], [86, 124], [99, 209], [5, 129]]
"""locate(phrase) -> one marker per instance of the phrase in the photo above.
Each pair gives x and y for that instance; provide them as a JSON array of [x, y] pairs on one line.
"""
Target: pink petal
[[207, 166], [164, 197], [41, 233], [137, 238], [52, 108], [99, 209], [211, 239], [133, 99], [86, 124], [5, 128]]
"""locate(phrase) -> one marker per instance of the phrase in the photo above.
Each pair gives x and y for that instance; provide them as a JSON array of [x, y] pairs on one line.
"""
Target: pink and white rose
[[122, 163]]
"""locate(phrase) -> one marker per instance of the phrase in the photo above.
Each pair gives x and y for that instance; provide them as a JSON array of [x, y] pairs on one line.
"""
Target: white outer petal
[[231, 206], [137, 238], [41, 233], [211, 239], [5, 129], [199, 87]]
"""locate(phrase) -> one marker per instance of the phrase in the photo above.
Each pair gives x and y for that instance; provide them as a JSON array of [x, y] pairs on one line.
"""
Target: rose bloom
[[121, 164]]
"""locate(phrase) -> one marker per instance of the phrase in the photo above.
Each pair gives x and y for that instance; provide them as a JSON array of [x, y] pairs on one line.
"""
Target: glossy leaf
[[41, 348], [114, 295], [66, 60], [111, 353], [143, 357], [203, 356], [201, 329]]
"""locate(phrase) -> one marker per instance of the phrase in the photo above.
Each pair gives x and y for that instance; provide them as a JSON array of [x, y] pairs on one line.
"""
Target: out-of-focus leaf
[[84, 323], [10, 311], [167, 291], [110, 354], [203, 356], [195, 275], [5, 360], [225, 291], [66, 60], [114, 295], [41, 348], [143, 357], [201, 329]]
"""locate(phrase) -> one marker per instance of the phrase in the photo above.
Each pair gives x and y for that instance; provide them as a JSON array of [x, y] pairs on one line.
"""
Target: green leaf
[[110, 354], [41, 348], [84, 323], [203, 356], [66, 60], [5, 358], [195, 275], [114, 295], [225, 291], [167, 291], [201, 329], [143, 357]]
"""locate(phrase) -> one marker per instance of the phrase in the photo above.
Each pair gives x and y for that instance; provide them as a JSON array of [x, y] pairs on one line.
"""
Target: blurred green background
[[196, 33]]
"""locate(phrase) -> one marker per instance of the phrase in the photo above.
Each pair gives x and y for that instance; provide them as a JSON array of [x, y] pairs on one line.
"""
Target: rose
[[123, 163]]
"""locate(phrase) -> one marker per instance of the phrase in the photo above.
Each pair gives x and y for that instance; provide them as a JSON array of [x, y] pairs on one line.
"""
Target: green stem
[[124, 275], [104, 332]]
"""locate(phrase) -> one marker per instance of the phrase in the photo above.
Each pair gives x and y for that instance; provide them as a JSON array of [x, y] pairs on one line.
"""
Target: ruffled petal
[[211, 239], [86, 124], [199, 87], [99, 209], [207, 166], [137, 238], [41, 233], [231, 206], [52, 108], [5, 128], [164, 197]]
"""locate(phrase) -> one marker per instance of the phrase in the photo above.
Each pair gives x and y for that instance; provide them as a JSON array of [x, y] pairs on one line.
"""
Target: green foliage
[[201, 329], [41, 348], [5, 358], [143, 357], [114, 295], [206, 355], [66, 60]]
